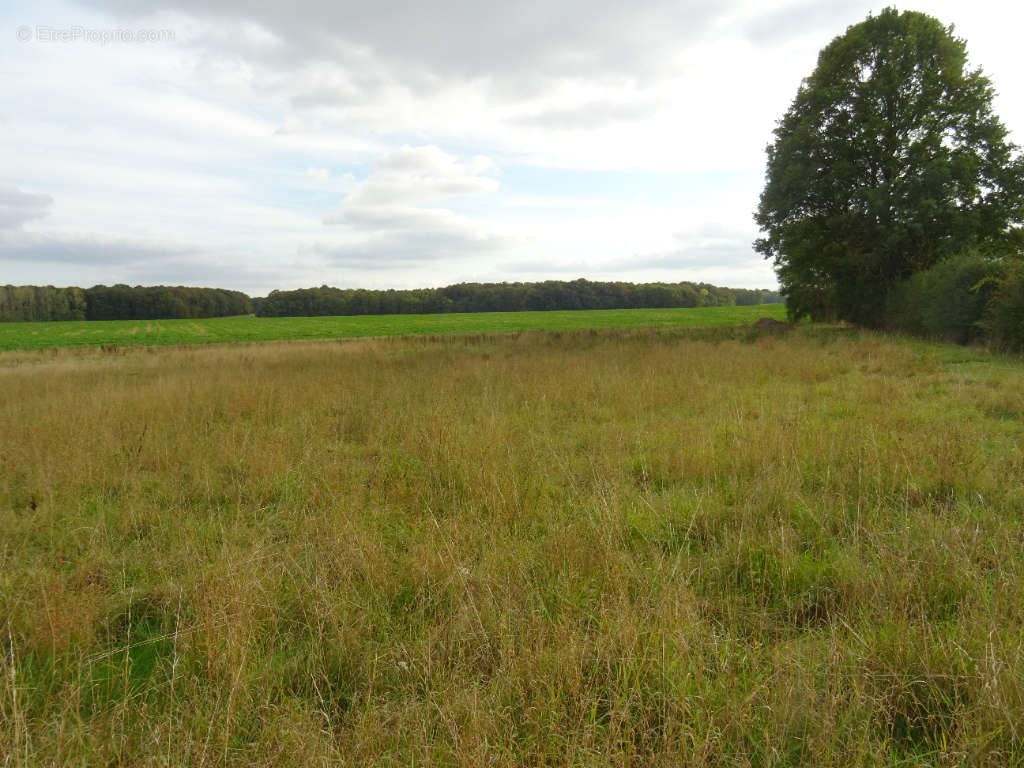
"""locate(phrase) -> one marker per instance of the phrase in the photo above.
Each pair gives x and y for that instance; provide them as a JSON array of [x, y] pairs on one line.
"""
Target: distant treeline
[[118, 302], [505, 297], [124, 302]]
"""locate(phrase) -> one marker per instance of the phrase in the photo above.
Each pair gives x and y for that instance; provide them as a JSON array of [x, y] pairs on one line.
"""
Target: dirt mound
[[771, 323]]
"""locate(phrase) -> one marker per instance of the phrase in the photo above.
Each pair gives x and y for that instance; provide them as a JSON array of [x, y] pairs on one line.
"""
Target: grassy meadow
[[97, 333], [588, 548]]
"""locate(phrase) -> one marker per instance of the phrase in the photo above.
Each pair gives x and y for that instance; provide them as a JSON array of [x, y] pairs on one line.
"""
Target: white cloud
[[392, 218], [17, 207], [84, 249], [413, 176], [590, 115]]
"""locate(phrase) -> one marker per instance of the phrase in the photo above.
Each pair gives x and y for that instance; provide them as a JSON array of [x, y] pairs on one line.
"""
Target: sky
[[259, 145]]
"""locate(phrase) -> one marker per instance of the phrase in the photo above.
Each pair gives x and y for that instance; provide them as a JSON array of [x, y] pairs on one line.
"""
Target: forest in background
[[507, 297], [124, 302], [42, 303]]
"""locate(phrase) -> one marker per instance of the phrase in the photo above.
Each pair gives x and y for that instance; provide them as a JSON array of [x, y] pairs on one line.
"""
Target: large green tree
[[889, 159]]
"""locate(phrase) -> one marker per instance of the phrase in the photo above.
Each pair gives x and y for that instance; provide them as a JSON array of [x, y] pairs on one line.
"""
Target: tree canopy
[[889, 159]]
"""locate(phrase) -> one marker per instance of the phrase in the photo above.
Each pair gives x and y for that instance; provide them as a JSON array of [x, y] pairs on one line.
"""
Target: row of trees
[[893, 197], [123, 302], [505, 297], [118, 302]]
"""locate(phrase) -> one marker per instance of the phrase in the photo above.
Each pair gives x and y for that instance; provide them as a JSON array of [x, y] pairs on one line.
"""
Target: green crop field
[[685, 547], [162, 332]]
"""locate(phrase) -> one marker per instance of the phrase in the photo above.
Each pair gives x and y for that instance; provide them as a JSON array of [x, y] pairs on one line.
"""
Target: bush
[[1004, 317], [947, 301]]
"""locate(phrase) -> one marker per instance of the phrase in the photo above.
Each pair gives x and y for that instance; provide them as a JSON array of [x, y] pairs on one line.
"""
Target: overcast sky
[[392, 143]]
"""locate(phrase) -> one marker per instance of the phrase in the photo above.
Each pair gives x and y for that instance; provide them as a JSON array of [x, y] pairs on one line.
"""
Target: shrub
[[948, 300], [1004, 316]]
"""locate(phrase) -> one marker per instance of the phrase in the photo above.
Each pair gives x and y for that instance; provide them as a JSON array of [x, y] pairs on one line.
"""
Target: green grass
[[696, 547], [163, 332]]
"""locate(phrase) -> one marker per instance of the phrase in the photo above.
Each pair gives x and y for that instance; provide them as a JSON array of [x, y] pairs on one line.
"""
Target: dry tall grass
[[563, 549]]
